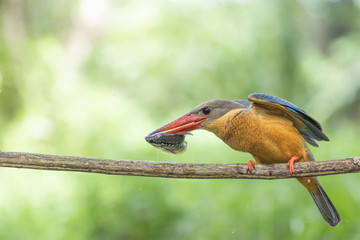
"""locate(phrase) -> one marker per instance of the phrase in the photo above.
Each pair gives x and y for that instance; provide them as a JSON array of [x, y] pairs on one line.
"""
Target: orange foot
[[291, 163], [249, 165]]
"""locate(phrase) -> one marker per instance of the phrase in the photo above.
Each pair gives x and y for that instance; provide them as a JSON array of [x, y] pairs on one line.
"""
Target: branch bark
[[176, 170]]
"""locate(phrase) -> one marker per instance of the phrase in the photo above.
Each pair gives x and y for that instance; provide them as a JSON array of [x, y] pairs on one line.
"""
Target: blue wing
[[308, 127]]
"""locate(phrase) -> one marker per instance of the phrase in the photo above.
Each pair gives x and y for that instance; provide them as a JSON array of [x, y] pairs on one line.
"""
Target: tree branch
[[175, 170]]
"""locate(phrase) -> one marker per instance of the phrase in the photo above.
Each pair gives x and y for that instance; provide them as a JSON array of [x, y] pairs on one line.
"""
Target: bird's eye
[[206, 110]]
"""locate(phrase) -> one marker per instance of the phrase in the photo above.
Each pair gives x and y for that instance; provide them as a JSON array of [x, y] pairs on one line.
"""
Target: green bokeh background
[[93, 78]]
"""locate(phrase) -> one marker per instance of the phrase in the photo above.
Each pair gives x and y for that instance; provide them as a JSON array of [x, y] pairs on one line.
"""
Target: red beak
[[186, 123]]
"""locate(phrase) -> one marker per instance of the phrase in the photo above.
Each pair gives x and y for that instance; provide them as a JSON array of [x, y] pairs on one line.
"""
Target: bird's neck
[[233, 129]]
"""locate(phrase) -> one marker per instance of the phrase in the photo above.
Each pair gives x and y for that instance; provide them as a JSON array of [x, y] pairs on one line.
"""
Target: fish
[[168, 143]]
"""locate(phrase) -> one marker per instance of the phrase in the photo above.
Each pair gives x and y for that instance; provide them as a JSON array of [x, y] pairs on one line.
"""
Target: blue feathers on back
[[288, 105], [312, 130]]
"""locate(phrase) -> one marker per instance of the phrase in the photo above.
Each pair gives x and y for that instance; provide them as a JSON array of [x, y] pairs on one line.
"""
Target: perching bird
[[271, 129]]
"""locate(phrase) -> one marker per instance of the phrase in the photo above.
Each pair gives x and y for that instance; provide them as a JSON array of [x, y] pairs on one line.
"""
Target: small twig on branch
[[176, 170]]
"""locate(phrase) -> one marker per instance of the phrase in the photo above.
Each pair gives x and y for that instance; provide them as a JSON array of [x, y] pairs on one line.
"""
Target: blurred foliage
[[92, 78]]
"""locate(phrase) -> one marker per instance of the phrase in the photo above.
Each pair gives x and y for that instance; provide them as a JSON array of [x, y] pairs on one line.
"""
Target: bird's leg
[[291, 162], [249, 165]]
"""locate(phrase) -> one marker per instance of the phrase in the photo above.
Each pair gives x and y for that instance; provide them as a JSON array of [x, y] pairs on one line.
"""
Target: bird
[[270, 128]]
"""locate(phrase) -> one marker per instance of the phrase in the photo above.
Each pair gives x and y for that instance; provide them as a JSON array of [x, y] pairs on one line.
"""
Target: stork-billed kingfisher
[[271, 129]]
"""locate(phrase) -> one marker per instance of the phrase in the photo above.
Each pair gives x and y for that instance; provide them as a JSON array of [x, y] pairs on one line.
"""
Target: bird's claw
[[291, 162], [250, 165]]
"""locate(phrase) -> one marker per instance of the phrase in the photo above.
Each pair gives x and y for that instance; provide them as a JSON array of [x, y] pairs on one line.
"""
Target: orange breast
[[269, 138]]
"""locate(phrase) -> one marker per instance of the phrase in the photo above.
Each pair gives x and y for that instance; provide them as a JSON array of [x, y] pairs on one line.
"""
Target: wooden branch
[[175, 170]]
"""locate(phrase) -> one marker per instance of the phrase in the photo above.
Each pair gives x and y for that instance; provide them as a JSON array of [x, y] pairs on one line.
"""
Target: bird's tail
[[322, 201], [326, 207]]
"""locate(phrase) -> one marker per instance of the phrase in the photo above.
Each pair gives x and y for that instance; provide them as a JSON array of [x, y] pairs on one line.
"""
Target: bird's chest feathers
[[268, 138]]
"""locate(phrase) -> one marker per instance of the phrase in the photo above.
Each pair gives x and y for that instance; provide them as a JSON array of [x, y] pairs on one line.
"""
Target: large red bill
[[186, 123]]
